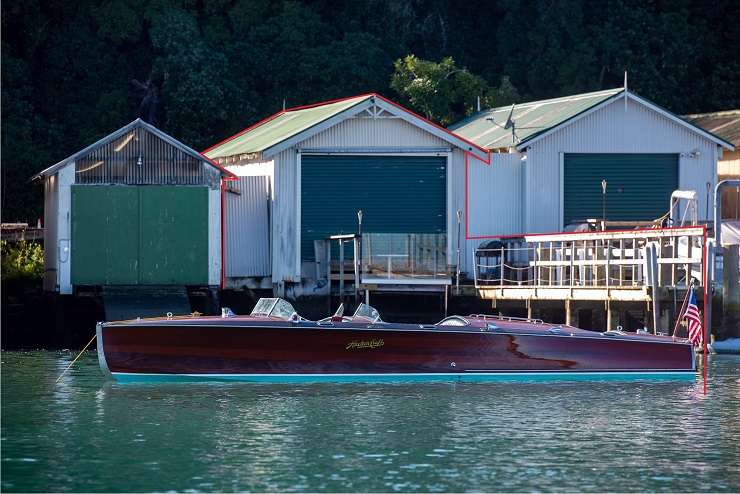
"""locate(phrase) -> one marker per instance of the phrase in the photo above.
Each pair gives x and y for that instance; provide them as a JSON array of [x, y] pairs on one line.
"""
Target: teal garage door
[[397, 194], [639, 186]]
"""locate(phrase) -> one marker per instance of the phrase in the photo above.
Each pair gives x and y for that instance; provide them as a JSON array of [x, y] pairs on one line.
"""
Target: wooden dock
[[651, 267]]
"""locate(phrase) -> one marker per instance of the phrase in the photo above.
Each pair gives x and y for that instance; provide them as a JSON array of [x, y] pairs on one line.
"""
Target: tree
[[444, 93], [441, 92]]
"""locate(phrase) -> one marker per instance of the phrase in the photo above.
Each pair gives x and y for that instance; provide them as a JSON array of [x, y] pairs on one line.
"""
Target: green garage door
[[397, 194], [639, 186], [148, 235]]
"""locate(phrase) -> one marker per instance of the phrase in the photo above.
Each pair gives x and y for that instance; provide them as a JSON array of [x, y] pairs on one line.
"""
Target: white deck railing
[[611, 260]]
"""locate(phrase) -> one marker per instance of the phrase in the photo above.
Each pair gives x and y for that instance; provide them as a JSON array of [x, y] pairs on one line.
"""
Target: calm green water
[[87, 435]]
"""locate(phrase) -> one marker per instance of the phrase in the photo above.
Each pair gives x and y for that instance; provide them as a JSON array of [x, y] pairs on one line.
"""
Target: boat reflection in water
[[275, 344]]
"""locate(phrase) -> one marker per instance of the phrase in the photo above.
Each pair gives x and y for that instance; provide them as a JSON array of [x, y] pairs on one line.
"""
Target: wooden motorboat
[[275, 344]]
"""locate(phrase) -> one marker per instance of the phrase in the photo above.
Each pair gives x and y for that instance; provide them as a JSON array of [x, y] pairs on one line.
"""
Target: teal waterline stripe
[[439, 377]]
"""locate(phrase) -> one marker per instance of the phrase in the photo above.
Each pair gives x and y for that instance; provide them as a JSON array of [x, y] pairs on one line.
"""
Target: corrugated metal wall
[[495, 195], [141, 158], [612, 130], [247, 227], [51, 246], [370, 132], [495, 200], [284, 219]]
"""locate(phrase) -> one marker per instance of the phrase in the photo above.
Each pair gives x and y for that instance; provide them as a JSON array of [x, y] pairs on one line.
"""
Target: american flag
[[693, 320]]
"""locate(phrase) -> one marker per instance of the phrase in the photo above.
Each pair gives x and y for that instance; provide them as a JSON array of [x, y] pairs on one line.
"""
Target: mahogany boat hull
[[232, 350]]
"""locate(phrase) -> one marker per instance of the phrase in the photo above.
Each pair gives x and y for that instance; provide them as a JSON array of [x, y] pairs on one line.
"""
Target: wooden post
[[568, 312]]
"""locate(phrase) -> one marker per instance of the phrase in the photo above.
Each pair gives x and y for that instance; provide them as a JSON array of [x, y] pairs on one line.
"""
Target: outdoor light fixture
[[139, 161]]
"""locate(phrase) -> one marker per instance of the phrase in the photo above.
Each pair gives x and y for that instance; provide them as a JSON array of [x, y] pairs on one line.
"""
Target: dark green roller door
[[148, 235], [397, 194], [639, 186]]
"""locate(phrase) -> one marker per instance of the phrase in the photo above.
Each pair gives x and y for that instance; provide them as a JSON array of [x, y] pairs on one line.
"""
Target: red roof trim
[[244, 131], [331, 101], [281, 112]]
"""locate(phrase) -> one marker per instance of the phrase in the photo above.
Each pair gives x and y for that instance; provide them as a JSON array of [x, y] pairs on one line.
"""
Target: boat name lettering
[[357, 344]]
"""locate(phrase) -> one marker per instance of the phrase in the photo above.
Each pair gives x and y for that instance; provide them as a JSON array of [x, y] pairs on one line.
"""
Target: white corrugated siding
[[364, 132], [495, 200], [247, 253], [611, 129], [285, 217], [51, 205], [247, 227]]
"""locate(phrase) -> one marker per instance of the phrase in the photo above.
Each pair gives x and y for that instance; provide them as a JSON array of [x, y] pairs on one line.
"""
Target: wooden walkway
[[613, 266]]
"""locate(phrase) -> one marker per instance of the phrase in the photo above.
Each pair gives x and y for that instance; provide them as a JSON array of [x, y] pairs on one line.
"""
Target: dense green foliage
[[205, 69], [22, 260], [444, 92]]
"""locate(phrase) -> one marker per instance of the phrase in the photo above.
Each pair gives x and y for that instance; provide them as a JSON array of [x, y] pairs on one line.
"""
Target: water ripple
[[87, 435]]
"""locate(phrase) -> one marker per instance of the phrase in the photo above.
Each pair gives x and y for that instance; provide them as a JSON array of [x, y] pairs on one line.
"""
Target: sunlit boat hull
[[239, 349]]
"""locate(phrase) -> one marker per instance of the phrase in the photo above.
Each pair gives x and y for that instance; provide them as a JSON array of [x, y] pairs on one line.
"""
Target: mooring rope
[[77, 357]]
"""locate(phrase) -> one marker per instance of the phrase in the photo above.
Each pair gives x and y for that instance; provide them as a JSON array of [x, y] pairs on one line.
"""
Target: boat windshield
[[274, 307], [365, 311]]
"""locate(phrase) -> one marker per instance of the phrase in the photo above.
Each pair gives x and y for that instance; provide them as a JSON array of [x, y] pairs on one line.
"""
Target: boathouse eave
[[138, 123]]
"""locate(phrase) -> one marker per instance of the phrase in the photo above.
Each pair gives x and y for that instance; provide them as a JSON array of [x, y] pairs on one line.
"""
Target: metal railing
[[595, 259], [399, 256]]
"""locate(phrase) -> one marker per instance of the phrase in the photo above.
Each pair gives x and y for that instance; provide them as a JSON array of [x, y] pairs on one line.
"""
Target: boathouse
[[549, 158], [304, 175], [136, 208]]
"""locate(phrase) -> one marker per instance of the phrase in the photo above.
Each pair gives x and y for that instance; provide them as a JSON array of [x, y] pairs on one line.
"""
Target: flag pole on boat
[[77, 357]]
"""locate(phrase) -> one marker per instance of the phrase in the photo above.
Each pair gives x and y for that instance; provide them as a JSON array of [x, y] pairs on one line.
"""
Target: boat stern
[[101, 352]]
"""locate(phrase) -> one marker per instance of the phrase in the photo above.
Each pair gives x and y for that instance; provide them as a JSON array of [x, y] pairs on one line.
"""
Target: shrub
[[22, 260]]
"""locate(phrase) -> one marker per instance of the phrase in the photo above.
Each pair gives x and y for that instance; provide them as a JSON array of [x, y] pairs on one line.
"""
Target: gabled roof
[[486, 128], [536, 119], [725, 124], [287, 127], [138, 123]]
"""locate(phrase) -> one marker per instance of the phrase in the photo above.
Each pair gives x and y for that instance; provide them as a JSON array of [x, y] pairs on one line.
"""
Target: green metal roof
[[281, 126], [530, 119]]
